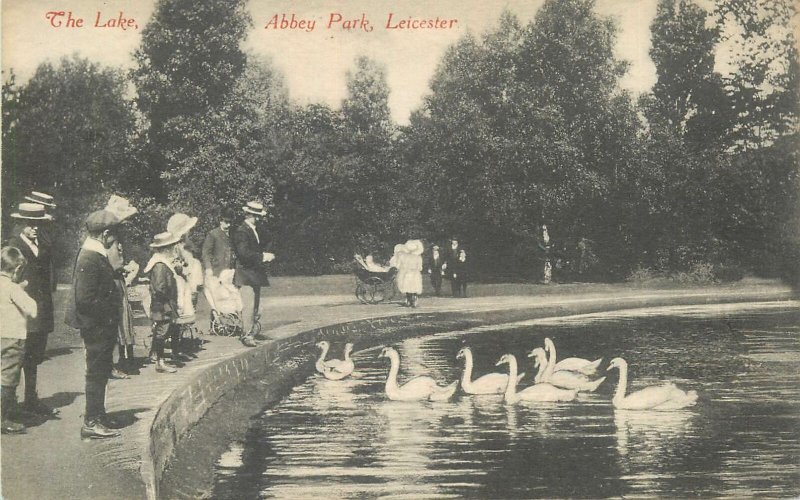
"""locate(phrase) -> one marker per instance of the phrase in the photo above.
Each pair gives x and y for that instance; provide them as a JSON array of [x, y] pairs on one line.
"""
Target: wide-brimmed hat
[[100, 220], [120, 207], [414, 247], [180, 224], [255, 208], [41, 198], [164, 239], [31, 211]]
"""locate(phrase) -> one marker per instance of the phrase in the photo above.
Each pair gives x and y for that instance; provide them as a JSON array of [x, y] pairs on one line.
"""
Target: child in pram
[[226, 305]]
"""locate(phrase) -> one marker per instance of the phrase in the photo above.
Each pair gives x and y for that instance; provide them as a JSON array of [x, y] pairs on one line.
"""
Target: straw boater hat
[[31, 211], [164, 239], [255, 208], [180, 224], [41, 198], [120, 207], [415, 247]]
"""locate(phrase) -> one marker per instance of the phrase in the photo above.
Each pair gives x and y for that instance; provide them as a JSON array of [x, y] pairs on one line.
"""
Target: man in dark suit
[[249, 247], [450, 257], [95, 312], [217, 250], [40, 277], [435, 262]]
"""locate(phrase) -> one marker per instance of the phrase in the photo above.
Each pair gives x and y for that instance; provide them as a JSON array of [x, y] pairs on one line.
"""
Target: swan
[[655, 397], [539, 392], [572, 364], [418, 388], [337, 369], [491, 383], [322, 365], [566, 379]]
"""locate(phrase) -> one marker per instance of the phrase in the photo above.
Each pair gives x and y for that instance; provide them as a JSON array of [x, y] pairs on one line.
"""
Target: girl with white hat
[[409, 271]]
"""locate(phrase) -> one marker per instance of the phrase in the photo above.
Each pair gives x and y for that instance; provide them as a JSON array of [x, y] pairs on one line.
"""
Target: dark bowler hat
[[41, 198], [31, 211], [100, 220]]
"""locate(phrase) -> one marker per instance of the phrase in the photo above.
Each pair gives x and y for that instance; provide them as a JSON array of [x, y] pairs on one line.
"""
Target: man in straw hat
[[249, 246], [95, 311], [41, 283]]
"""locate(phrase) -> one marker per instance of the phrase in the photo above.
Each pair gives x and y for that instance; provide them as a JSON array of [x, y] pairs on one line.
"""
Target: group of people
[[411, 265], [99, 306]]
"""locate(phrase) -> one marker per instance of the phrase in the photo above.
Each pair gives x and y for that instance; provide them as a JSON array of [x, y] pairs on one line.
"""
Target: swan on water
[[491, 383], [655, 397], [418, 388], [580, 365], [566, 379], [539, 392], [337, 369]]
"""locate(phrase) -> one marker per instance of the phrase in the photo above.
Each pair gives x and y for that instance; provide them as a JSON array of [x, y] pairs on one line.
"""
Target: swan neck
[[551, 364], [466, 376], [619, 395], [511, 387], [540, 370], [391, 380], [323, 354]]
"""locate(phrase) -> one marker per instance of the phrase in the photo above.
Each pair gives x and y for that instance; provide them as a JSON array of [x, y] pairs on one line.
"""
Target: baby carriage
[[373, 287], [226, 305]]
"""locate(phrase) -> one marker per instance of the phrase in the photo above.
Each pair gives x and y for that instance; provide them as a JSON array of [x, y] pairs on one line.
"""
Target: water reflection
[[345, 439]]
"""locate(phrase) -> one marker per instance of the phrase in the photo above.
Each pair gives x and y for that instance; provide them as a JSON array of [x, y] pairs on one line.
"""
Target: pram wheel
[[225, 325]]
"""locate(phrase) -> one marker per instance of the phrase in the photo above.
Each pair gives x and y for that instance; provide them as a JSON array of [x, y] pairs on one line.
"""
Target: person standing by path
[[217, 253], [409, 274], [95, 312], [16, 307], [435, 262], [249, 246], [123, 278], [164, 309], [40, 277]]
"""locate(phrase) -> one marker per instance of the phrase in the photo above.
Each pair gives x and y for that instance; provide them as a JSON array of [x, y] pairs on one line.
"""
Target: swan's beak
[[532, 354], [500, 361]]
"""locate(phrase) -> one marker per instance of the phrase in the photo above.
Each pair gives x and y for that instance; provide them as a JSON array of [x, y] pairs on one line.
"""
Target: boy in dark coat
[[460, 274], [95, 312]]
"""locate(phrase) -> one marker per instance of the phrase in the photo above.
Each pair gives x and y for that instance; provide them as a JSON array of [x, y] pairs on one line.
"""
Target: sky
[[314, 62]]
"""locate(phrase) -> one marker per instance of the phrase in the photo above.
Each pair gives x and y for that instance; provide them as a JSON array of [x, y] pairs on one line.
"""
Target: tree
[[688, 95], [188, 62], [69, 131], [764, 89]]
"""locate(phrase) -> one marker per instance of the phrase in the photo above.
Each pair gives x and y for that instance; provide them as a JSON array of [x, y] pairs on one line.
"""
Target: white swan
[[337, 369], [655, 397], [417, 388], [567, 379], [491, 383], [537, 392], [572, 364], [324, 366]]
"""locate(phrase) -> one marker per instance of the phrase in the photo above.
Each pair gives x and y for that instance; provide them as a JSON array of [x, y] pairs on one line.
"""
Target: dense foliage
[[524, 125]]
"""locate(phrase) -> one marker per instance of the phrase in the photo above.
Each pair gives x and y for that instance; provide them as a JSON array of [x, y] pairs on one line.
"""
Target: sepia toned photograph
[[308, 249]]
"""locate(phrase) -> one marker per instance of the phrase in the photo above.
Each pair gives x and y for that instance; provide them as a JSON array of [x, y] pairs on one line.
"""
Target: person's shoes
[[36, 407], [9, 427], [248, 341], [118, 374], [109, 421], [162, 367], [96, 430]]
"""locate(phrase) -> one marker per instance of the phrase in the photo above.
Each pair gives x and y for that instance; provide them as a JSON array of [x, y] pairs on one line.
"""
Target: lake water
[[346, 440]]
